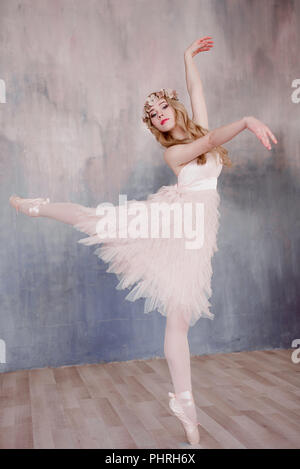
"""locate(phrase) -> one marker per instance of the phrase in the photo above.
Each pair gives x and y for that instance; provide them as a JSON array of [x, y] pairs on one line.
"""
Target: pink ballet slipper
[[191, 428], [29, 207]]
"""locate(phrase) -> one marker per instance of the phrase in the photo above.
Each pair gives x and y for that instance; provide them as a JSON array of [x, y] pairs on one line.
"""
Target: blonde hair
[[187, 125]]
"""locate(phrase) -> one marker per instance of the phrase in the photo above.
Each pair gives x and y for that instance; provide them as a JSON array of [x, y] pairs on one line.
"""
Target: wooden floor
[[244, 400]]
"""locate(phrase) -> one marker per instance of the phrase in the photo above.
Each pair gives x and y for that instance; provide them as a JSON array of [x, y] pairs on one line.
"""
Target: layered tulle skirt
[[163, 258]]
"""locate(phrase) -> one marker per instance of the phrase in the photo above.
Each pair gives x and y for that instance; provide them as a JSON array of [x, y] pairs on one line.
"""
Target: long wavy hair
[[194, 130]]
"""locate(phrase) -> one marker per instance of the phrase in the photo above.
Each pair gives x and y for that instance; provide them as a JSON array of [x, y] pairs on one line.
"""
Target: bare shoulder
[[179, 155]]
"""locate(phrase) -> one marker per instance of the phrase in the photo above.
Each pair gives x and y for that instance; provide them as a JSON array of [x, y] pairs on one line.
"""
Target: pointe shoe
[[191, 428], [29, 207]]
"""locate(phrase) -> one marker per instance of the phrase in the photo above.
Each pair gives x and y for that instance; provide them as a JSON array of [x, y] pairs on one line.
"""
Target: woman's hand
[[200, 45], [261, 131]]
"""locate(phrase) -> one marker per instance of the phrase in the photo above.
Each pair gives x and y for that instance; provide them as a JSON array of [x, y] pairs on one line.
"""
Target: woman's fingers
[[263, 137], [262, 131], [205, 38], [268, 134], [272, 136], [201, 45], [266, 140], [200, 49], [264, 134], [204, 47], [207, 43]]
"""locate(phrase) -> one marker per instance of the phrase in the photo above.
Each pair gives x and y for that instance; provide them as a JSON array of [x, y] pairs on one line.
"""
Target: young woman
[[173, 279]]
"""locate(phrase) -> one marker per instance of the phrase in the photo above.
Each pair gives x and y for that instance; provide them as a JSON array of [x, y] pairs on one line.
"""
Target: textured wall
[[76, 75]]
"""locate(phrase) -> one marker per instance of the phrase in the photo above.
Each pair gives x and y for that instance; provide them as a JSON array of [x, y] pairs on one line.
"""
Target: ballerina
[[174, 280]]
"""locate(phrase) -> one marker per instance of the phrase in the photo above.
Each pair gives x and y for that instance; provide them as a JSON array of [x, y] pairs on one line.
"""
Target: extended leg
[[66, 212]]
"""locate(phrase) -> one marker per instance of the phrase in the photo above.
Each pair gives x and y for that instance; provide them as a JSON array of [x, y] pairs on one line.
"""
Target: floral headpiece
[[154, 97]]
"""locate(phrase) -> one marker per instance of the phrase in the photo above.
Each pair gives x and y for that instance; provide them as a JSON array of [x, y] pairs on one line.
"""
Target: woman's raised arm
[[193, 80]]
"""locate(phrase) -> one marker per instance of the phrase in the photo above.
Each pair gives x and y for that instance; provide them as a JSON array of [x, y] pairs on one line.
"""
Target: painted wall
[[76, 75]]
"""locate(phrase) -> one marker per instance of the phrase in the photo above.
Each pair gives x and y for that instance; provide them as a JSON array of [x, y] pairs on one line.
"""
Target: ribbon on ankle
[[189, 400]]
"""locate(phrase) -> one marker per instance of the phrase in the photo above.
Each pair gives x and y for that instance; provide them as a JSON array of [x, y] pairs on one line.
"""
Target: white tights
[[66, 212], [177, 353], [176, 346]]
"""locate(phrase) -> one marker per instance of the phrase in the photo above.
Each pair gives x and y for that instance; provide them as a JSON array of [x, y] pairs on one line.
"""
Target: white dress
[[171, 278]]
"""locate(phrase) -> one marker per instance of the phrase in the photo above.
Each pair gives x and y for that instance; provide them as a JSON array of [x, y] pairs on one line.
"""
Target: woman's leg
[[176, 349], [65, 212]]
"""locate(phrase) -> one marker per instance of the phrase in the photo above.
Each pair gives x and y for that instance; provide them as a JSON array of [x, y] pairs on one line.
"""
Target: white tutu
[[171, 277]]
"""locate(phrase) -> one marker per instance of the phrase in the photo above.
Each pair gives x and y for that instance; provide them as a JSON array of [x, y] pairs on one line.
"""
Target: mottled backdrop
[[76, 75]]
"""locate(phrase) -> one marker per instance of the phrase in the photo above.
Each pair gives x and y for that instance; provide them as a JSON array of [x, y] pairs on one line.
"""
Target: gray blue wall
[[77, 74]]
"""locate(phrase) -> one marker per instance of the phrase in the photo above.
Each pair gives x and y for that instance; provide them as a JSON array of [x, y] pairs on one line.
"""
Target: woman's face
[[162, 115]]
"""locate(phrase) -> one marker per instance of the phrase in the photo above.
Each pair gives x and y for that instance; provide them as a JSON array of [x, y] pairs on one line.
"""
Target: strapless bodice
[[201, 176], [193, 171]]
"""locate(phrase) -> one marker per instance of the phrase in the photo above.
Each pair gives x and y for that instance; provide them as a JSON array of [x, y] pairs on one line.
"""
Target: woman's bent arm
[[177, 155], [223, 134]]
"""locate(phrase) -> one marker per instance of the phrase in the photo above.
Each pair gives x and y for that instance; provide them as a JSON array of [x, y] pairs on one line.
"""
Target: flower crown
[[154, 97]]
